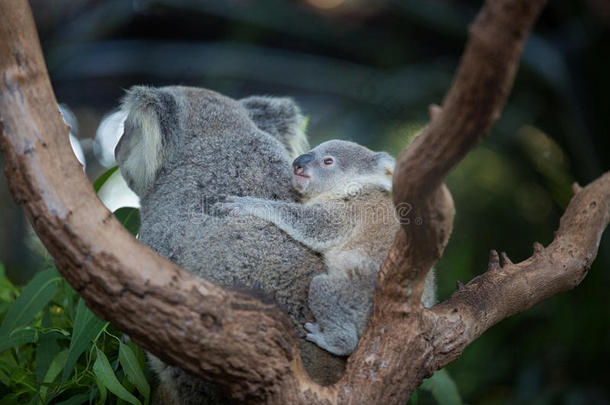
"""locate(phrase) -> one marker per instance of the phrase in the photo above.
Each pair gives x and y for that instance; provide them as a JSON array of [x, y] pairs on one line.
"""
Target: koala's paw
[[323, 341], [236, 206], [315, 335]]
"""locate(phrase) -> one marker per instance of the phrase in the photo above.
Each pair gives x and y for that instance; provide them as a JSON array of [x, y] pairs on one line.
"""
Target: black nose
[[302, 160]]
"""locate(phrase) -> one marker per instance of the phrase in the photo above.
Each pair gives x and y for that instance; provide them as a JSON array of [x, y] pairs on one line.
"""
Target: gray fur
[[281, 118], [349, 217], [206, 146]]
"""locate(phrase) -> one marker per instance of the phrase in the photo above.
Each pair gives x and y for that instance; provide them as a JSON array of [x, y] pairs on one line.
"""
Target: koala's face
[[338, 164]]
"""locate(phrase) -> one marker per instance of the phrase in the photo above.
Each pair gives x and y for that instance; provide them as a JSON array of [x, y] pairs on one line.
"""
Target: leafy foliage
[[53, 349]]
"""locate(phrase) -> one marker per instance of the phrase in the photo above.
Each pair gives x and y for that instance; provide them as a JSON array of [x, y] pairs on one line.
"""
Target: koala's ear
[[139, 152], [386, 163], [282, 119]]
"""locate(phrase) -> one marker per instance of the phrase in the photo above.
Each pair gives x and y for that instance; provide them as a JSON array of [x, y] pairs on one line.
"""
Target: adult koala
[[182, 150]]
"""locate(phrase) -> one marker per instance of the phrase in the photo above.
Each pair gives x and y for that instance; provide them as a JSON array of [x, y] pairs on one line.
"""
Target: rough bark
[[244, 345]]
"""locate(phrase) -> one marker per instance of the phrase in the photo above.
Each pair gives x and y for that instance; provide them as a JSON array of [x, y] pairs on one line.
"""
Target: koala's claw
[[327, 342], [315, 336], [314, 328], [317, 339], [233, 206]]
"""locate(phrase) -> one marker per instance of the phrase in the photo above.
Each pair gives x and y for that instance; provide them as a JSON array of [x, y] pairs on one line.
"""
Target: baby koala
[[347, 214]]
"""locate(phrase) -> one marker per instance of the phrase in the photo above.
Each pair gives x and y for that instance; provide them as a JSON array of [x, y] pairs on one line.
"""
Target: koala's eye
[[328, 161]]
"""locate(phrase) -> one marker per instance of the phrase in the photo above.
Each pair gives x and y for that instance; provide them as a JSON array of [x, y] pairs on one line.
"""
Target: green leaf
[[78, 399], [18, 338], [46, 349], [443, 388], [8, 291], [10, 399], [87, 327], [141, 356], [134, 372], [97, 184], [103, 371], [128, 386], [54, 369], [31, 301], [130, 218], [68, 300], [102, 389]]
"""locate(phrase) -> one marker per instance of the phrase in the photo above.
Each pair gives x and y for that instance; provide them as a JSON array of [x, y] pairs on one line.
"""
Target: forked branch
[[512, 288]]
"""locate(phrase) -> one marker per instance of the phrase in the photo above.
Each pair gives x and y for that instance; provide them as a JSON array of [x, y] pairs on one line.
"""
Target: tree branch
[[474, 102], [507, 290]]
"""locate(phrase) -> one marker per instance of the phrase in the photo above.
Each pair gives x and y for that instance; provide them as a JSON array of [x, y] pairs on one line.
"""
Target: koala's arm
[[317, 226]]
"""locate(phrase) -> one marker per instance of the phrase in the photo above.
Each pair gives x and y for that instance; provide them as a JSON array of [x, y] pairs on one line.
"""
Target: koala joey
[[182, 150], [348, 215]]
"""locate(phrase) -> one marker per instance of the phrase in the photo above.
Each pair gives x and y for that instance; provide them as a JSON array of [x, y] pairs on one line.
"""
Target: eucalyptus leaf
[[18, 338], [128, 386], [54, 369], [68, 303], [102, 390], [97, 184], [141, 356], [46, 349], [8, 291], [31, 301], [87, 327], [134, 372], [10, 399], [130, 218], [78, 399], [103, 372]]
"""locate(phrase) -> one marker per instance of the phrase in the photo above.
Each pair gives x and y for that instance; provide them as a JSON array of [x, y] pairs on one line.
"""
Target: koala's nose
[[299, 163]]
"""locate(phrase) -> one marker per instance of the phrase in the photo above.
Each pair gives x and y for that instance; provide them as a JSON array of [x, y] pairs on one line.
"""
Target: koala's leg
[[341, 309]]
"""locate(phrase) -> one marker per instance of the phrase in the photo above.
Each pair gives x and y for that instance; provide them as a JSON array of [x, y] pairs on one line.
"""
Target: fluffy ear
[[139, 152], [386, 163], [282, 119]]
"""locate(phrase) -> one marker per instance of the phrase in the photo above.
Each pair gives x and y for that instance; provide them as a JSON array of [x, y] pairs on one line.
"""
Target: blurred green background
[[366, 71]]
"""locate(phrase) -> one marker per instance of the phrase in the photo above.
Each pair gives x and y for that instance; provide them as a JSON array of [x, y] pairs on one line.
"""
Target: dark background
[[366, 71]]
